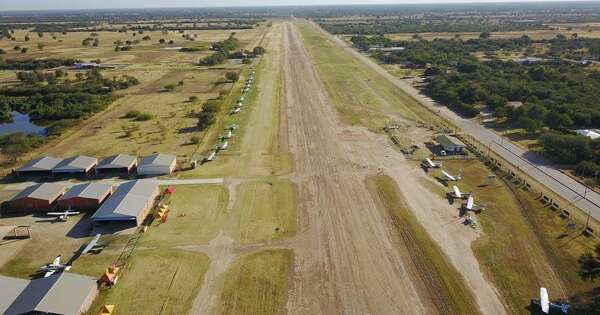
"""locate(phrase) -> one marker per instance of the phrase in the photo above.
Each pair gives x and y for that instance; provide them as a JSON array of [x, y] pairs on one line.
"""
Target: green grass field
[[156, 281], [197, 214], [265, 210], [442, 281], [361, 96], [256, 284]]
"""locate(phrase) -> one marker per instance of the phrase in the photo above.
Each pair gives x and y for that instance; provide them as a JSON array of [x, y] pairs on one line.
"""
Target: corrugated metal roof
[[127, 201], [117, 161], [76, 163], [448, 141], [89, 190], [10, 289], [158, 159], [44, 191], [45, 163], [67, 294], [62, 293]]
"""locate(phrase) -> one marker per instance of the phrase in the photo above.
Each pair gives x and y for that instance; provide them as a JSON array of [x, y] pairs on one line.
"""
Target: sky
[[113, 4]]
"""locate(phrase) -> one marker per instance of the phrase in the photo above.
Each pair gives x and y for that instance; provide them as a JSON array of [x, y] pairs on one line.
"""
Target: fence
[[564, 208]]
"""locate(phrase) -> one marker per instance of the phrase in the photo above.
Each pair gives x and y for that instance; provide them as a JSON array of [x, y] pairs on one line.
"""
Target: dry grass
[[156, 281], [519, 250], [265, 210], [256, 284], [442, 283], [197, 212]]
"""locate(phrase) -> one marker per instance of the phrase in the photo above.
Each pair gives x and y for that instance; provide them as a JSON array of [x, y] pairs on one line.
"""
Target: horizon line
[[416, 2]]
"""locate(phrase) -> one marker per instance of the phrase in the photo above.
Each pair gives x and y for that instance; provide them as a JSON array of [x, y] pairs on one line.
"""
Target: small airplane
[[451, 178], [241, 99], [235, 110], [456, 193], [226, 135], [210, 156], [63, 216], [239, 104], [545, 304], [54, 267], [231, 127], [91, 244], [428, 163], [471, 206], [222, 146]]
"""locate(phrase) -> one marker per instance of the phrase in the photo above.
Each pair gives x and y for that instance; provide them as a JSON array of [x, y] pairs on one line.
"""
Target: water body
[[21, 123]]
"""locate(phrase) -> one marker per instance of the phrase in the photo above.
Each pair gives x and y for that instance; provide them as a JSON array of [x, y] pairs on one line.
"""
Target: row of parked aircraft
[[470, 205], [229, 130]]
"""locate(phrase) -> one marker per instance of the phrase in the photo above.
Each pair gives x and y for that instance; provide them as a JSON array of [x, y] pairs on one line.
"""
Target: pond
[[21, 123]]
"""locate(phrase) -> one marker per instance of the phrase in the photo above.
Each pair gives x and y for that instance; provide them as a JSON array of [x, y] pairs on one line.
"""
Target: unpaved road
[[345, 262]]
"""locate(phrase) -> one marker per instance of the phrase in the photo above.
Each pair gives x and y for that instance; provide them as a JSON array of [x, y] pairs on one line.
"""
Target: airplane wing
[[91, 244], [56, 260], [429, 162], [456, 192], [56, 213], [72, 212], [49, 273], [448, 176], [544, 302], [470, 203]]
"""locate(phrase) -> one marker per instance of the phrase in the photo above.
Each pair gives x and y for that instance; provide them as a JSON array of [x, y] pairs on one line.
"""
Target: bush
[[587, 168], [169, 87], [193, 99], [195, 140], [232, 76], [138, 116], [566, 149]]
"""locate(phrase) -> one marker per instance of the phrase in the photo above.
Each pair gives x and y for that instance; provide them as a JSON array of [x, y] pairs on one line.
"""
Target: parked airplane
[[456, 193], [223, 146], [471, 206], [231, 127], [91, 244], [211, 156], [235, 110], [451, 178], [62, 216], [546, 305], [428, 163], [54, 267], [226, 135]]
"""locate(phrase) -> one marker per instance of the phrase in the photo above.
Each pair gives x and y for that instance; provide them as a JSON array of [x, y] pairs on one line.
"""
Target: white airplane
[[223, 146], [54, 267], [456, 193], [451, 178], [91, 244], [226, 135], [231, 127], [235, 110], [428, 163], [241, 99], [62, 216], [545, 303], [211, 156], [471, 206]]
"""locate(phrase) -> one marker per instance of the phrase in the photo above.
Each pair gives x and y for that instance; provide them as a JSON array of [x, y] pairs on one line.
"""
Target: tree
[[26, 38], [161, 41], [96, 42], [232, 76], [566, 149], [589, 264], [193, 99], [169, 87], [24, 50]]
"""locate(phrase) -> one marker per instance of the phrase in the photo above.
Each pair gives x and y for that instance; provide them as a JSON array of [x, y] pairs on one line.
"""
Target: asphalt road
[[530, 163]]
